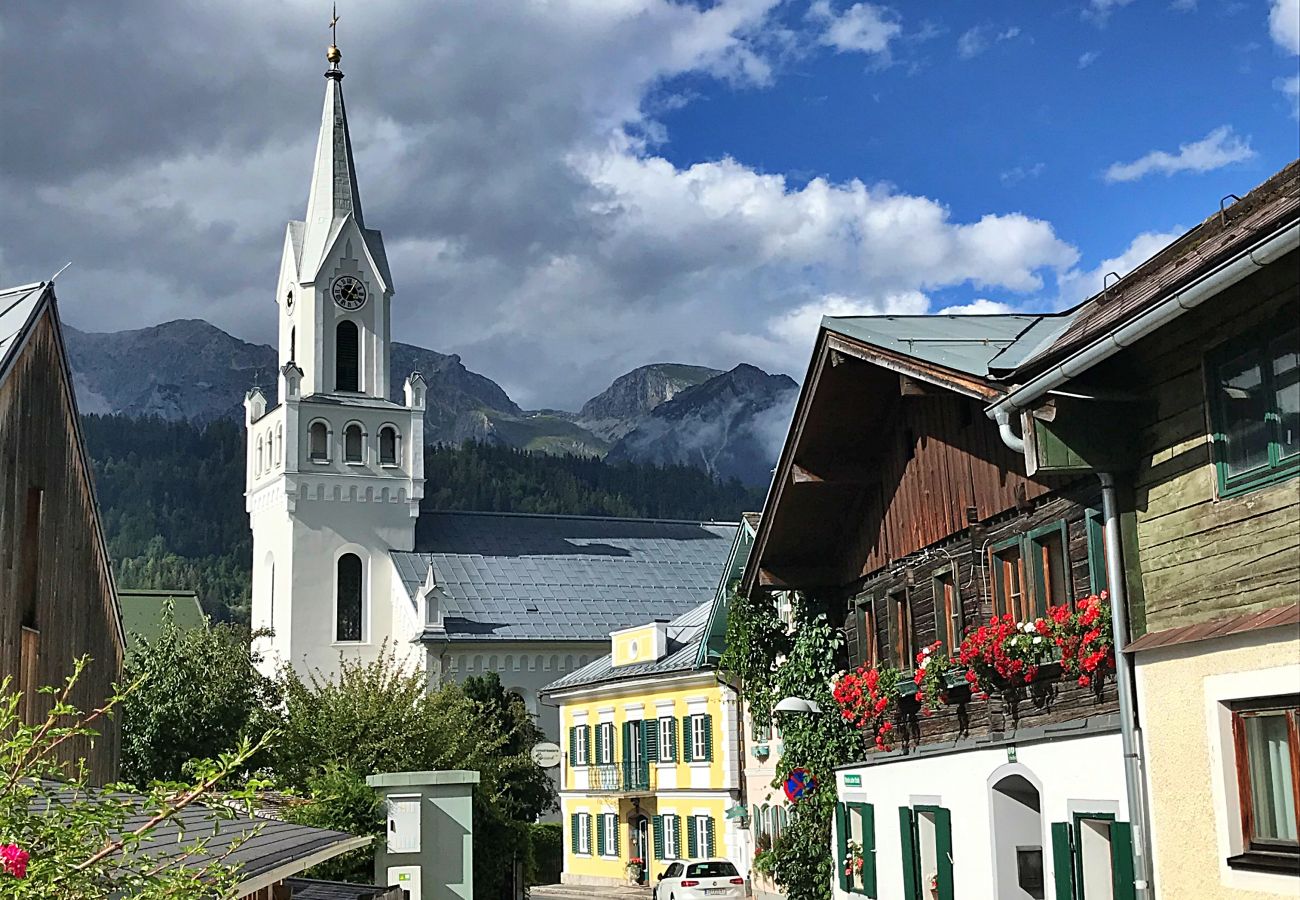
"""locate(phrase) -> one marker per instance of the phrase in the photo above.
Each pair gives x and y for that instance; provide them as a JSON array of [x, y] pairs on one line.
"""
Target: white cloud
[[1290, 87], [1183, 5], [1219, 148], [980, 307], [1284, 25], [531, 225], [1088, 58], [1012, 177], [862, 28], [1098, 11], [975, 41], [1078, 285]]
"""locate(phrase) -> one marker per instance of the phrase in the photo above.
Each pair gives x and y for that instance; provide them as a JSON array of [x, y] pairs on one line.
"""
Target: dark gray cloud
[[161, 146]]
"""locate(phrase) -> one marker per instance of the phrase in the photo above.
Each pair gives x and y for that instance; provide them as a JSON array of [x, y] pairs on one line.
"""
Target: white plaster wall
[[1083, 774]]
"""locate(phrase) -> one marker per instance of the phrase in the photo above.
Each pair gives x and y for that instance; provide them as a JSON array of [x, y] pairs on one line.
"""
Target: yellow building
[[652, 747]]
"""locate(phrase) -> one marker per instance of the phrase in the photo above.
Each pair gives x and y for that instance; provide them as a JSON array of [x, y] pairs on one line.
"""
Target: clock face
[[348, 292]]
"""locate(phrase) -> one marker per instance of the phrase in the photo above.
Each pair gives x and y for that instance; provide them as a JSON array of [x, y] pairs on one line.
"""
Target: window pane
[[1286, 388], [348, 626], [1244, 404], [1271, 788], [717, 869], [388, 447], [352, 444]]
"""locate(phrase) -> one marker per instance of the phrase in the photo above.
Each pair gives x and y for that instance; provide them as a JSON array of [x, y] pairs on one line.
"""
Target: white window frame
[[699, 739], [667, 731], [672, 840], [700, 823], [580, 749], [584, 834], [606, 745], [609, 825]]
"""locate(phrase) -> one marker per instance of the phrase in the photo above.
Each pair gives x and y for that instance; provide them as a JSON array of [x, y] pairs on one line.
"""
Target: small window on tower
[[388, 446], [353, 444], [347, 357], [349, 602], [318, 440]]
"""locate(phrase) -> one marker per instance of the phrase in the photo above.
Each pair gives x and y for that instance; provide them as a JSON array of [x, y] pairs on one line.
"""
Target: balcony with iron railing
[[623, 778]]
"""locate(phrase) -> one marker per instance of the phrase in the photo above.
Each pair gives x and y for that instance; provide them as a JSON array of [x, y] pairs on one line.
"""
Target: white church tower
[[335, 471]]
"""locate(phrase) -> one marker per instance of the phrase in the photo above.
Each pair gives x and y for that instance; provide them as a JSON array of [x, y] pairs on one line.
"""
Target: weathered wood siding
[[1050, 701], [1203, 557], [942, 456], [56, 587]]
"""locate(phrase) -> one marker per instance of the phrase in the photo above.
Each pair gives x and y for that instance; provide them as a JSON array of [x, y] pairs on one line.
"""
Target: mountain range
[[727, 423]]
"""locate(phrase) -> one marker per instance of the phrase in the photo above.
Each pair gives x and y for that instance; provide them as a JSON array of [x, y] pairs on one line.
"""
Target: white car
[[700, 879]]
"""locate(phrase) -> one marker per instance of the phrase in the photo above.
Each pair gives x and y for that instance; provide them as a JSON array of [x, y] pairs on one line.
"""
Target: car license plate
[[715, 891]]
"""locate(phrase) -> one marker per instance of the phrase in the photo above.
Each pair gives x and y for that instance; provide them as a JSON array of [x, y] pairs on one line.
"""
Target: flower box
[[955, 679]]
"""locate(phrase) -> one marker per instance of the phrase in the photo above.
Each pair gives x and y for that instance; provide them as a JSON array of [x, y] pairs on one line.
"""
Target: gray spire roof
[[334, 194]]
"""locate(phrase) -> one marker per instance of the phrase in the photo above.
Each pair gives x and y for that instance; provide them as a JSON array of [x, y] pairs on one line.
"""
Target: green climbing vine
[[810, 651]]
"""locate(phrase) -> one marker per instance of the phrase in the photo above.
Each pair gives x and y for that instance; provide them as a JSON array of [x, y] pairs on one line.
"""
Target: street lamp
[[798, 705]]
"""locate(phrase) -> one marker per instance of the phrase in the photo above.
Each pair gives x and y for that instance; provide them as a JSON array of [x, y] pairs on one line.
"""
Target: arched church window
[[279, 443], [388, 446], [257, 458], [353, 444], [293, 344], [318, 442], [348, 604], [347, 357]]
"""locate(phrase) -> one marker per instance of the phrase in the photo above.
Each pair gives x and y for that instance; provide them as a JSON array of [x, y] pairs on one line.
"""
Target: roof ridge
[[589, 518]]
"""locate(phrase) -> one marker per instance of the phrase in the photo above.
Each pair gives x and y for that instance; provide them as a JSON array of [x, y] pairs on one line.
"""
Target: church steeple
[[334, 195]]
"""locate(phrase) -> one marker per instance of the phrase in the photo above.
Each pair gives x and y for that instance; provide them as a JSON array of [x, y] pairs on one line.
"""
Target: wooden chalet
[[57, 598]]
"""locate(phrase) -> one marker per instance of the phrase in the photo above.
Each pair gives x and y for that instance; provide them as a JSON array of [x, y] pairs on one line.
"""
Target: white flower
[[1038, 640], [925, 662], [1026, 627]]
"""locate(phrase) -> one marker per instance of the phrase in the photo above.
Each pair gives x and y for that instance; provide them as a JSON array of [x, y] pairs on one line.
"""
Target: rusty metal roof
[[1217, 628], [1272, 204]]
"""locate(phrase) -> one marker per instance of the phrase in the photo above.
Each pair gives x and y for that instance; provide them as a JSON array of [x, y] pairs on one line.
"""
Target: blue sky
[[572, 188]]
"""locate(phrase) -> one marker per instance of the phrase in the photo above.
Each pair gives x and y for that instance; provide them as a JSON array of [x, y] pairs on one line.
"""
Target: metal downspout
[[1130, 733]]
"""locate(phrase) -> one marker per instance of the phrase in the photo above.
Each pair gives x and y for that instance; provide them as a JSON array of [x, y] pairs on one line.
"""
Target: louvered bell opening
[[347, 357]]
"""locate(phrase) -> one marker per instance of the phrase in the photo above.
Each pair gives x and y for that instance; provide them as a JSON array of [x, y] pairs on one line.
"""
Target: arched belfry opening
[[347, 357]]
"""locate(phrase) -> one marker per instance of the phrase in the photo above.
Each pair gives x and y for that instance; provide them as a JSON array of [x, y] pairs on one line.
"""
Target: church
[[346, 563]]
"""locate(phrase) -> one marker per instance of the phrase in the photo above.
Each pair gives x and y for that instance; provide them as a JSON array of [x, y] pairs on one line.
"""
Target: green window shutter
[[650, 739], [627, 741], [672, 738], [600, 834], [708, 739], [691, 850], [573, 743], [591, 826], [943, 850], [1096, 552], [1062, 861], [686, 739], [658, 824], [573, 829], [586, 743], [616, 850], [709, 831], [911, 864], [600, 744], [868, 813], [1121, 861], [842, 845], [677, 835]]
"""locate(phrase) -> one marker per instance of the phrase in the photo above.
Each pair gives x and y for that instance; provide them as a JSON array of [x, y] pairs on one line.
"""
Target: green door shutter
[[691, 849], [842, 845], [708, 737], [708, 829], [658, 823], [1062, 861], [573, 828], [686, 739], [1121, 861], [943, 850], [868, 848], [911, 864]]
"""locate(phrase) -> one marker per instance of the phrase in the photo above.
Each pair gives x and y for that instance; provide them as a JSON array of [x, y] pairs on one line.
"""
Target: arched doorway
[[639, 835], [1017, 839]]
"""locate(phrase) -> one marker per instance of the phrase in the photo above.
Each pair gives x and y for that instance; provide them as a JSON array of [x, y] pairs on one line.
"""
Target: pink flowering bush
[[62, 839]]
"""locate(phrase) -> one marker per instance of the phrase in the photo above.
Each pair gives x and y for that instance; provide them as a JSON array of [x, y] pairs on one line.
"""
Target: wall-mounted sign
[[799, 784], [1011, 753], [546, 754], [853, 781]]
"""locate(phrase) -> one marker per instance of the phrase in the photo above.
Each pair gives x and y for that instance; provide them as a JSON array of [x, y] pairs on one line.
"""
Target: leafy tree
[[524, 790], [200, 693], [61, 839], [341, 800]]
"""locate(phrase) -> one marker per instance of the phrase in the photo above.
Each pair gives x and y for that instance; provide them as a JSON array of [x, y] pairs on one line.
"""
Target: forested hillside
[[171, 495]]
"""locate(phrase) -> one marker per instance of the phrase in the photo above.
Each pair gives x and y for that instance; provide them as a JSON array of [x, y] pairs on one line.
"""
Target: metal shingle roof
[[684, 635], [509, 576], [962, 343], [17, 305]]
